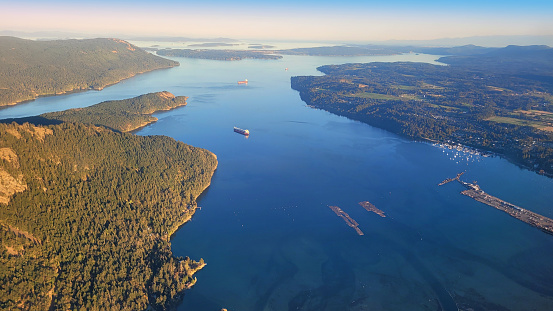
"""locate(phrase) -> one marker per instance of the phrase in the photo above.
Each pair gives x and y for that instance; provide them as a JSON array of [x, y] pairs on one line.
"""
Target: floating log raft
[[349, 221], [371, 208]]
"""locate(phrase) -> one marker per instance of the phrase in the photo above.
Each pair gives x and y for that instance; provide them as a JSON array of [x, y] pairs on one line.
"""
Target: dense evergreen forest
[[86, 214], [121, 115], [500, 101], [29, 69]]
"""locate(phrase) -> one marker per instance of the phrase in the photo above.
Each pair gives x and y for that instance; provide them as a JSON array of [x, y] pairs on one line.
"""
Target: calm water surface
[[268, 235]]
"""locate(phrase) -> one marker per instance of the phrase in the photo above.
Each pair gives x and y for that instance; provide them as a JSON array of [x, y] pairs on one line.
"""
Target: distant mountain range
[[486, 41], [48, 35]]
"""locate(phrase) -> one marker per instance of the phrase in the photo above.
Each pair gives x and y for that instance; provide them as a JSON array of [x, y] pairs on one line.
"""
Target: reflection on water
[[266, 232]]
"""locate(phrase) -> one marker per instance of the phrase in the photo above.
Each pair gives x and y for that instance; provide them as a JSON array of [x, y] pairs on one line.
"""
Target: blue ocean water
[[266, 231]]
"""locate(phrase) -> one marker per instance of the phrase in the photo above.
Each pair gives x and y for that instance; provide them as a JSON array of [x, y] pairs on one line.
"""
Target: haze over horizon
[[350, 20]]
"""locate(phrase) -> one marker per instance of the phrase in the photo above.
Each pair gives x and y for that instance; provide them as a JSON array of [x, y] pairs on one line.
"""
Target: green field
[[405, 87], [376, 96], [447, 108], [544, 126]]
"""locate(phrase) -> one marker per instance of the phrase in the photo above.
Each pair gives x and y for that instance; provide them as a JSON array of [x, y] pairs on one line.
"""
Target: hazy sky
[[346, 20]]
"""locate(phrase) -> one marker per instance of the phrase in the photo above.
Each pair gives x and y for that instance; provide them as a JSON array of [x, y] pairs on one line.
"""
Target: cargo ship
[[241, 131], [243, 82]]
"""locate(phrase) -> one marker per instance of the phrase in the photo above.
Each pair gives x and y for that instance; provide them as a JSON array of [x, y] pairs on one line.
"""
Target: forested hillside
[[121, 115], [29, 69], [86, 214]]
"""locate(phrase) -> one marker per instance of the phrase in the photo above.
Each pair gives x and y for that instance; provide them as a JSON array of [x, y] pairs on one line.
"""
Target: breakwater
[[475, 192]]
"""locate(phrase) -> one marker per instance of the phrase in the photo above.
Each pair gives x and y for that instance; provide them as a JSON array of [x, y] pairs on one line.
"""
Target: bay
[[266, 231]]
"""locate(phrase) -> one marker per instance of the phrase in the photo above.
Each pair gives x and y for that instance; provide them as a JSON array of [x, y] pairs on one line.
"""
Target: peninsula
[[86, 213], [121, 115], [500, 100], [29, 68]]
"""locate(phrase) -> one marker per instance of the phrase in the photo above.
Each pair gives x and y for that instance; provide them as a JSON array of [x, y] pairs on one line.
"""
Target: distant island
[[469, 49], [340, 51], [86, 213], [212, 44], [29, 69], [181, 39], [261, 46], [264, 52], [121, 115], [227, 55], [378, 50], [500, 100], [261, 51]]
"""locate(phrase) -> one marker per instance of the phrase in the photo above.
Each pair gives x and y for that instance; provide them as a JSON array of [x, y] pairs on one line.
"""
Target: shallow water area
[[266, 231]]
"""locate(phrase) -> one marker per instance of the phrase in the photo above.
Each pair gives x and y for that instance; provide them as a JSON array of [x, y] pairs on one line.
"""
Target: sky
[[322, 20]]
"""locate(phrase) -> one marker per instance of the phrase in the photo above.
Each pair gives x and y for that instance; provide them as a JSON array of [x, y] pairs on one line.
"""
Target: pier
[[473, 191]]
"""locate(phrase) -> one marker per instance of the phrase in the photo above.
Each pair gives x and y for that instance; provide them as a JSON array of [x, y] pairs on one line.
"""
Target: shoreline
[[80, 90], [483, 151], [133, 130], [179, 225], [172, 231]]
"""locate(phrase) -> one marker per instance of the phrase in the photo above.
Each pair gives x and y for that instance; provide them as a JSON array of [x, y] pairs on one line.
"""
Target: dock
[[533, 219], [349, 221], [451, 179]]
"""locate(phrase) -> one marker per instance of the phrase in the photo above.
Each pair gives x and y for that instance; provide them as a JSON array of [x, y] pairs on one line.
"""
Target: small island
[[499, 101], [86, 213], [226, 55], [212, 44], [122, 115], [261, 46], [29, 69]]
